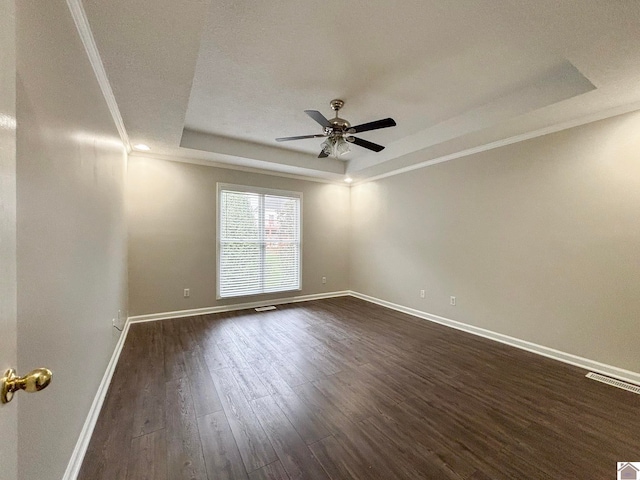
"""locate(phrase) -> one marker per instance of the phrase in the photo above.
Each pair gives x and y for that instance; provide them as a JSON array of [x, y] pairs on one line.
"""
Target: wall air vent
[[264, 309], [613, 382]]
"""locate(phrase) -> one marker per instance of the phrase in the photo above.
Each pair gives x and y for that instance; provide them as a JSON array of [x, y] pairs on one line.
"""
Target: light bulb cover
[[342, 147], [327, 147], [335, 146]]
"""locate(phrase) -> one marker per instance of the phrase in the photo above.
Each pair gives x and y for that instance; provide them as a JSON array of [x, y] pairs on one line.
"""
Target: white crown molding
[[230, 166], [79, 451], [587, 364], [558, 127], [86, 35], [238, 306], [84, 30]]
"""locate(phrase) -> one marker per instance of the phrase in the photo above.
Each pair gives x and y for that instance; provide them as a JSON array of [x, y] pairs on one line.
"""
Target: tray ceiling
[[219, 81]]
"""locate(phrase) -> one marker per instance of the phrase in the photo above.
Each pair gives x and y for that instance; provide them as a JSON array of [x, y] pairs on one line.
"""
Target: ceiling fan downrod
[[338, 125]]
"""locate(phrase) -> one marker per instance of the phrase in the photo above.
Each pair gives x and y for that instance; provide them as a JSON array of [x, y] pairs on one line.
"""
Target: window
[[258, 240]]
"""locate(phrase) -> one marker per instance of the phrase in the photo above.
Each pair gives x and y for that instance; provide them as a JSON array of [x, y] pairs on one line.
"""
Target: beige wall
[[539, 240], [71, 234], [172, 234]]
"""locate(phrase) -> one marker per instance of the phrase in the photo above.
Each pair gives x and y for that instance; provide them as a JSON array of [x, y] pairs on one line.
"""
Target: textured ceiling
[[218, 81]]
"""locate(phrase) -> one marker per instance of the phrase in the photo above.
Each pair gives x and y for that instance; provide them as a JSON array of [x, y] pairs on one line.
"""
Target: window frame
[[220, 187]]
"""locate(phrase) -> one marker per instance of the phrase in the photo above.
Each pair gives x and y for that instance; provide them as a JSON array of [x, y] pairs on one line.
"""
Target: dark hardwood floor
[[341, 388]]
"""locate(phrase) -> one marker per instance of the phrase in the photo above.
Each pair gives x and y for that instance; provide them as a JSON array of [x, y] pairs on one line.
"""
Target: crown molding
[[86, 36], [593, 117], [231, 166]]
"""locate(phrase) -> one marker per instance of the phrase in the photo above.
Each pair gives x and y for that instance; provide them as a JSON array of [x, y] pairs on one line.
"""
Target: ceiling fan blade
[[323, 154], [318, 117], [365, 127], [286, 139], [366, 144]]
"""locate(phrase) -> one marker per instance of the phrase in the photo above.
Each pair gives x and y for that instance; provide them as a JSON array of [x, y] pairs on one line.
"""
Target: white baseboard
[[73, 468], [75, 462], [238, 306], [587, 364]]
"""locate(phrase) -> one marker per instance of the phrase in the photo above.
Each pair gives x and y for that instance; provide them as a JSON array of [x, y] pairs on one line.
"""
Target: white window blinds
[[258, 241]]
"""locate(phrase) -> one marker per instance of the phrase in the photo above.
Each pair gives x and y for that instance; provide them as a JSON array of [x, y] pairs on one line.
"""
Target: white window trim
[[259, 190]]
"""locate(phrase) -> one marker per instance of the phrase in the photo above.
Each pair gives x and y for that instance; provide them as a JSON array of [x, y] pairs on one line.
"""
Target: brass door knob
[[33, 381]]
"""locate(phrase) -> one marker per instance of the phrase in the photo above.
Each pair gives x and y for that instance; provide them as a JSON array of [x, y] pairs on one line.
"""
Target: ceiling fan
[[339, 132]]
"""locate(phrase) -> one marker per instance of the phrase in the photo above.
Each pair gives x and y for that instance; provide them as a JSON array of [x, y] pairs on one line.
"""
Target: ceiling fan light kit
[[339, 132], [335, 146]]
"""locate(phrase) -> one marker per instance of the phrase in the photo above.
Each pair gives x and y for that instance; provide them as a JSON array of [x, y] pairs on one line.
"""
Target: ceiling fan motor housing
[[338, 125]]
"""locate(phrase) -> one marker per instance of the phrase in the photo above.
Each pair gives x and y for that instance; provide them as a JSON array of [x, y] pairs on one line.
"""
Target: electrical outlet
[[324, 279], [116, 324], [119, 321], [421, 293], [452, 301], [187, 293]]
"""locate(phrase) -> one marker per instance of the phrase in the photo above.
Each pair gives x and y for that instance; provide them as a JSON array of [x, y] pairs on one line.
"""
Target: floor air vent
[[613, 382], [271, 307]]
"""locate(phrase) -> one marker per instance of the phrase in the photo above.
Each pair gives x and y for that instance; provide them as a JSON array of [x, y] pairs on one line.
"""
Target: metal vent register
[[613, 382], [264, 309]]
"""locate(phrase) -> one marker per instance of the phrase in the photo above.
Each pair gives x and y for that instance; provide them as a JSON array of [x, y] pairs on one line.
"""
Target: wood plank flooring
[[340, 389]]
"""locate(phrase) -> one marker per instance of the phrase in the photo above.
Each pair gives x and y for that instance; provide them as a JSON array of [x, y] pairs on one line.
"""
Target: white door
[[8, 327]]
